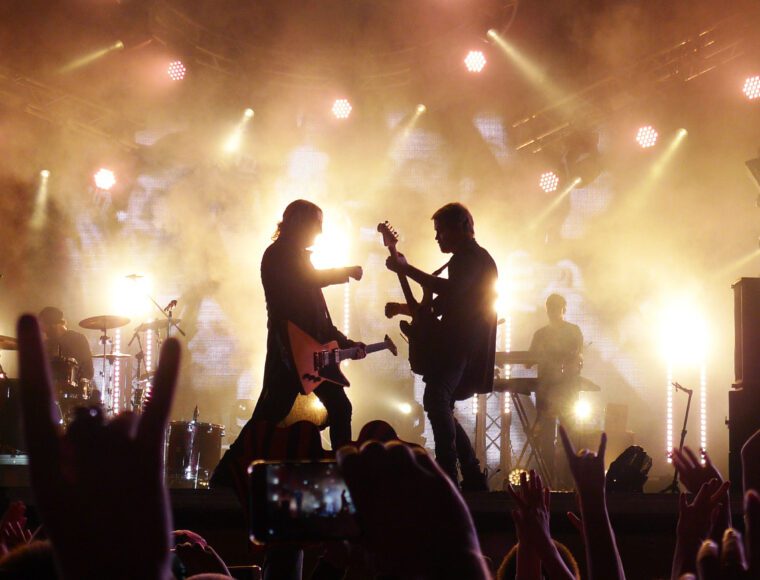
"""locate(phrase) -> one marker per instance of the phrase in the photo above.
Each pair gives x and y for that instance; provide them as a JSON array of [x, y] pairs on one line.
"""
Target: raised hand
[[691, 471], [401, 495], [13, 530], [694, 475], [695, 521], [587, 467], [99, 487], [532, 523]]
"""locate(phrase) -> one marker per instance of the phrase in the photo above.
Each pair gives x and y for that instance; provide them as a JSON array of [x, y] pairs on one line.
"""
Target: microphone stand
[[168, 316], [673, 487]]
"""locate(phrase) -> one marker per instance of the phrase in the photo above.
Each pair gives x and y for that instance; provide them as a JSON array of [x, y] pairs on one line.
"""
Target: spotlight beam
[[641, 193], [39, 214], [554, 204], [91, 57], [529, 69]]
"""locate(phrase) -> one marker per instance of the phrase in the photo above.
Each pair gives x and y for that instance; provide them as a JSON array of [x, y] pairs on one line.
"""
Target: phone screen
[[300, 501]]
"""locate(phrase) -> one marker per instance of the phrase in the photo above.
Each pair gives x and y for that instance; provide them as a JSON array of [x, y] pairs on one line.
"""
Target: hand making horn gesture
[[99, 487]]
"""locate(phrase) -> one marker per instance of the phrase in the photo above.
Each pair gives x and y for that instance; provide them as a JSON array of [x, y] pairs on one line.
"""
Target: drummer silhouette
[[64, 343]]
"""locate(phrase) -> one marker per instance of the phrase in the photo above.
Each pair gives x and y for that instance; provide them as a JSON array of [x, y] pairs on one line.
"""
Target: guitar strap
[[441, 269]]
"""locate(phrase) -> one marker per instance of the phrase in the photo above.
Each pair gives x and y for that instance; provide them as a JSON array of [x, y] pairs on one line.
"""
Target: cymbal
[[111, 355], [157, 324], [8, 343], [103, 322]]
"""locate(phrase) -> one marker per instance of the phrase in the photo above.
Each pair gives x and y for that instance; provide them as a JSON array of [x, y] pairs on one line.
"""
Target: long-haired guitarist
[[463, 341], [293, 292]]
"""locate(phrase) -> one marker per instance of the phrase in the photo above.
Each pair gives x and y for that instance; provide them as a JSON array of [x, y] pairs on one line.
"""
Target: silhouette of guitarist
[[463, 345], [293, 292]]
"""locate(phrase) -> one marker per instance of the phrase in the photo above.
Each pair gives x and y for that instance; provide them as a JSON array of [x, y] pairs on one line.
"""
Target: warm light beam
[[39, 214], [91, 57], [554, 204], [642, 191], [531, 71], [236, 138]]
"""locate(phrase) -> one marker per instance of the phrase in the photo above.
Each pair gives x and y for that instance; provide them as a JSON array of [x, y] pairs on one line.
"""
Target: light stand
[[673, 487]]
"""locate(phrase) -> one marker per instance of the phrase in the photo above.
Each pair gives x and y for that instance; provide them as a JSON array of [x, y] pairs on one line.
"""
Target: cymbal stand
[[104, 340], [140, 356]]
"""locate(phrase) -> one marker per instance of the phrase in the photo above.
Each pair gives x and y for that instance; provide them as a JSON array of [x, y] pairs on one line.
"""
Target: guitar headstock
[[390, 345], [390, 236]]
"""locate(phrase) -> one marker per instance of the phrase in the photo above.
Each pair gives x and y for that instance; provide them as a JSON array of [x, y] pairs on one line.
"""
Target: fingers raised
[[37, 402], [156, 413]]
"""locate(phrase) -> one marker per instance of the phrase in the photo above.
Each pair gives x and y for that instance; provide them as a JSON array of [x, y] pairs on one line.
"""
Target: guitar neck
[[351, 351], [411, 301]]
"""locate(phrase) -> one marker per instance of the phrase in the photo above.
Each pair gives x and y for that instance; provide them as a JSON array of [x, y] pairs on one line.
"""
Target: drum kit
[[192, 449]]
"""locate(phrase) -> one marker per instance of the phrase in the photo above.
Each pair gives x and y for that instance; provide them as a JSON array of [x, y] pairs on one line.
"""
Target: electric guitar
[[317, 363], [421, 331]]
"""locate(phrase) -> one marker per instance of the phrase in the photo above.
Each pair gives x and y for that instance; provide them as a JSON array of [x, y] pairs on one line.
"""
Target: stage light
[[582, 410], [549, 181], [683, 333], [405, 408], [646, 137], [248, 113], [341, 108], [130, 296], [105, 179], [44, 174], [475, 61], [421, 109], [332, 248], [176, 70], [514, 476], [752, 88]]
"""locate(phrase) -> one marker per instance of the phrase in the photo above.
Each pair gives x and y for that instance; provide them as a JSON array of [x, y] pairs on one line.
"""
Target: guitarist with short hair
[[462, 339]]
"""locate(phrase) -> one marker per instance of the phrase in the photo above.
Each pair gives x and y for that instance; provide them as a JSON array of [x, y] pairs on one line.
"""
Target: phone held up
[[300, 501]]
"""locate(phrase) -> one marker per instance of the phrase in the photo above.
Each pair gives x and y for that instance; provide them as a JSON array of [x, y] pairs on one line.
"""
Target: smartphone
[[300, 501]]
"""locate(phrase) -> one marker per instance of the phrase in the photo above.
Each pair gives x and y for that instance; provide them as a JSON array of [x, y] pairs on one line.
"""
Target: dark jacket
[[468, 318], [293, 292]]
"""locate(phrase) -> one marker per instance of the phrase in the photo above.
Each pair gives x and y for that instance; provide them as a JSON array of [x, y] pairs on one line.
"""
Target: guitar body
[[303, 347], [421, 332]]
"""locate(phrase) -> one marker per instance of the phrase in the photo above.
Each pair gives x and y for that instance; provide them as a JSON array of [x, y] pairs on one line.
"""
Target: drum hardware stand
[[104, 340], [140, 356], [167, 313], [673, 487]]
